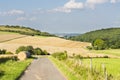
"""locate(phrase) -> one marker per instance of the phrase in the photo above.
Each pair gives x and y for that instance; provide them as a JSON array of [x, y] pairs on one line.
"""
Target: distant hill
[[66, 35], [23, 30], [109, 35]]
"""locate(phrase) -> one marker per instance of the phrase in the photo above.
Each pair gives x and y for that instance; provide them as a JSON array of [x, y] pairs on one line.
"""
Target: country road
[[42, 69]]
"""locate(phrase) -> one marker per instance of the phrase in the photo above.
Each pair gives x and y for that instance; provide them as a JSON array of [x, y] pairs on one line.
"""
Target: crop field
[[6, 36], [51, 44], [115, 52]]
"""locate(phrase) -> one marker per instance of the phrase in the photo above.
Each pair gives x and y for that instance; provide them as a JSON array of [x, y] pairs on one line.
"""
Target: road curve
[[42, 69]]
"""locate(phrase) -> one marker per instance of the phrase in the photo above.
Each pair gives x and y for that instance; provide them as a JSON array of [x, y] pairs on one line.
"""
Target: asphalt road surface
[[42, 69]]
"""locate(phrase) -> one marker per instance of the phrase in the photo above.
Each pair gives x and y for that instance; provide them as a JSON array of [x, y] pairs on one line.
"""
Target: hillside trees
[[23, 30], [101, 39]]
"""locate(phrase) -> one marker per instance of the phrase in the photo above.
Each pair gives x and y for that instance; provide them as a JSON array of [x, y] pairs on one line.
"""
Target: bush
[[2, 51], [9, 53], [21, 48], [60, 55], [89, 47], [31, 50], [37, 51], [105, 56], [45, 52], [78, 57]]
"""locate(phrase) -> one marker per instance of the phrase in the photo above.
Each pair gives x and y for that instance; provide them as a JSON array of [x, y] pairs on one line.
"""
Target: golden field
[[51, 44]]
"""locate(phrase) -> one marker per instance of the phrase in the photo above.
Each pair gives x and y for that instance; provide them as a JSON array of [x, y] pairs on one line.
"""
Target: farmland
[[51, 44], [11, 41], [115, 52], [77, 71], [6, 36]]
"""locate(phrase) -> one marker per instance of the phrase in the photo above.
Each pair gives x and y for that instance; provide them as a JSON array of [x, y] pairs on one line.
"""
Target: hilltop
[[111, 37], [23, 30]]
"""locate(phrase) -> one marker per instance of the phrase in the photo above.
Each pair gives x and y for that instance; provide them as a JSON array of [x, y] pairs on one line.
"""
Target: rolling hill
[[23, 30], [111, 37]]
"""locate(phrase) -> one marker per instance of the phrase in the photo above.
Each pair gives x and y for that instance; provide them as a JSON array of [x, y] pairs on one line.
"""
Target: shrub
[[78, 57], [37, 51], [2, 51], [89, 47], [8, 53], [60, 55], [31, 50], [105, 56], [45, 52], [21, 48]]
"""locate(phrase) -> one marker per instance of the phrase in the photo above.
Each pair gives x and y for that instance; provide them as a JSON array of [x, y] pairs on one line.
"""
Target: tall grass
[[11, 70], [80, 69], [74, 71]]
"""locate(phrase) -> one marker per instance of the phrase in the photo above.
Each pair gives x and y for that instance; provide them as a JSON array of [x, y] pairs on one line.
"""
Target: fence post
[[91, 64], [105, 71]]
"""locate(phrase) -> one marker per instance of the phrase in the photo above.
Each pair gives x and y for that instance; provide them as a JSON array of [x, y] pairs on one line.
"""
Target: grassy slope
[[115, 52], [64, 69], [2, 32], [16, 29], [13, 69]]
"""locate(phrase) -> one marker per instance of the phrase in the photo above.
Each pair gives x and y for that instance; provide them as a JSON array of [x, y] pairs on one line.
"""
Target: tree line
[[101, 39], [23, 30]]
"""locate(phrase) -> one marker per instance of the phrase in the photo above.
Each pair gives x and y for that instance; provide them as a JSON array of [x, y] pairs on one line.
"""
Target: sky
[[61, 16]]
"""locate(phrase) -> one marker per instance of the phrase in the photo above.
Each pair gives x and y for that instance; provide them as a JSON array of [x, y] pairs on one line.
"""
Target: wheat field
[[50, 44]]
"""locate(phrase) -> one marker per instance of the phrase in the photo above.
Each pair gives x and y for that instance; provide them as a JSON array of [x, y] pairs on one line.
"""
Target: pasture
[[115, 52]]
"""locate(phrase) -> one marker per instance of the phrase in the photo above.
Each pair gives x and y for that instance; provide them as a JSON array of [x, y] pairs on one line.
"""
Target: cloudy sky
[[61, 16]]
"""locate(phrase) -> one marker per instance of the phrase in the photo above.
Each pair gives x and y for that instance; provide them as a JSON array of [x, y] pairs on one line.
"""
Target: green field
[[112, 65], [75, 71], [115, 52], [3, 32], [11, 70]]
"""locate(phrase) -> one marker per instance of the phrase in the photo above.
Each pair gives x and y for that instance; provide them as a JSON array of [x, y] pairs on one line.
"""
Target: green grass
[[115, 52], [64, 69], [75, 71], [13, 69], [3, 32], [112, 65]]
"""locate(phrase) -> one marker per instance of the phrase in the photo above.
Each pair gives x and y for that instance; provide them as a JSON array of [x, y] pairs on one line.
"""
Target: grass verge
[[12, 69], [69, 74]]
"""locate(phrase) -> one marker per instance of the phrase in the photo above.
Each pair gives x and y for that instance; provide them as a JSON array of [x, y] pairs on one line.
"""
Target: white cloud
[[114, 1], [21, 19], [32, 18], [26, 18], [69, 6], [13, 12], [92, 3]]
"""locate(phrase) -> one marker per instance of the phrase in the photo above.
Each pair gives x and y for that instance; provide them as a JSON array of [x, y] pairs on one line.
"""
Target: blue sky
[[61, 16]]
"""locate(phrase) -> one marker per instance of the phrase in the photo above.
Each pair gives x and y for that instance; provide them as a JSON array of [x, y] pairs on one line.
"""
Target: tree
[[99, 44], [37, 51], [21, 48]]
